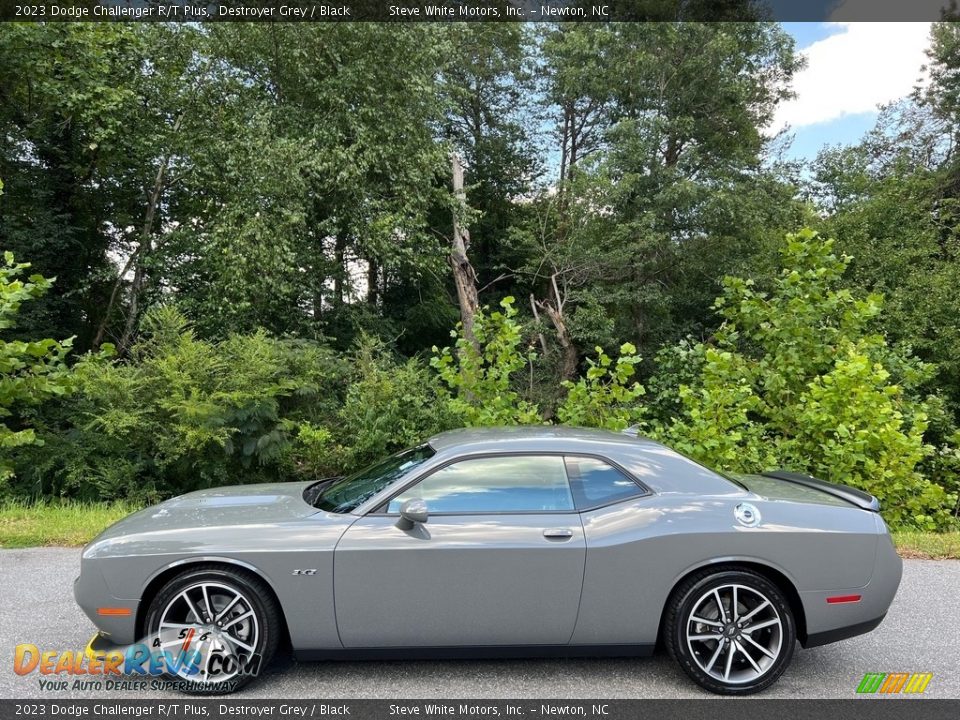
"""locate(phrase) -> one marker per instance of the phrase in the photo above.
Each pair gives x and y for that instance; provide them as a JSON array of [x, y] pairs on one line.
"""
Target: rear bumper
[[828, 622], [831, 636]]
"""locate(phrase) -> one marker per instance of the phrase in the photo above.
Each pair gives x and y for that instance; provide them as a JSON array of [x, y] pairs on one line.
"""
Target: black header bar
[[474, 10]]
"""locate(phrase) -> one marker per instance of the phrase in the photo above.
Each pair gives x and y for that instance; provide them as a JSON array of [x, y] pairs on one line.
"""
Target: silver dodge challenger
[[528, 541]]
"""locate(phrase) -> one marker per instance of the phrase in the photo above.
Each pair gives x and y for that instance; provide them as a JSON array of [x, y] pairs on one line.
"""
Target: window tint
[[594, 482], [494, 484], [347, 493]]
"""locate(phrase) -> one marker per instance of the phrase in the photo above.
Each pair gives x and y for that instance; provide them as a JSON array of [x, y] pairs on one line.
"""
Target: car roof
[[535, 437]]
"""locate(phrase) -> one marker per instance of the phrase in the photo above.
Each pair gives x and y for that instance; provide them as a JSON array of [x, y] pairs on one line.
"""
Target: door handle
[[558, 533]]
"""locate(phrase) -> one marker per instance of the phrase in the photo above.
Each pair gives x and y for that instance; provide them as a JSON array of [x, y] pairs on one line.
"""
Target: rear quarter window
[[595, 482]]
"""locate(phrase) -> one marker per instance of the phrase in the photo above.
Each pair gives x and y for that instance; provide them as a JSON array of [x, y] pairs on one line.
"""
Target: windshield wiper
[[313, 492]]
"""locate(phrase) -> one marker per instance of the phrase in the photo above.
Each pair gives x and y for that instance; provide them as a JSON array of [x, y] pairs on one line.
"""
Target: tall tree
[[575, 60], [888, 200], [168, 92], [68, 117], [893, 202], [487, 82], [664, 124], [316, 191], [464, 276]]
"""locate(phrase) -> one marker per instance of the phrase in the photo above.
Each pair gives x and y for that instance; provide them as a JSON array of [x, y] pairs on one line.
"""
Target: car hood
[[231, 506]]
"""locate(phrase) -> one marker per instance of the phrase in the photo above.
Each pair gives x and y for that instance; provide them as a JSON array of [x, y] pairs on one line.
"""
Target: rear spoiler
[[844, 492]]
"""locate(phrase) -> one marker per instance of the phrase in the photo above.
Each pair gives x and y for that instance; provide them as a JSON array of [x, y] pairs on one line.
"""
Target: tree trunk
[[574, 145], [536, 316], [102, 328], [339, 251], [564, 144], [373, 281], [568, 368], [554, 310], [133, 308], [136, 260], [464, 276]]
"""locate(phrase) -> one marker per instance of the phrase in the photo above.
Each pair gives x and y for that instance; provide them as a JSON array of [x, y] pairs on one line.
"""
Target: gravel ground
[[921, 634]]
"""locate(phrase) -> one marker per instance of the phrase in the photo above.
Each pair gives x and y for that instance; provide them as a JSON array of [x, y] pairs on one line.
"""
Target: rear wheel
[[217, 628], [731, 631]]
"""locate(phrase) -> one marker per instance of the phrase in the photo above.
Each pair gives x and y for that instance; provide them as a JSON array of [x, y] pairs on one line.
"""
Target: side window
[[512, 483], [594, 482]]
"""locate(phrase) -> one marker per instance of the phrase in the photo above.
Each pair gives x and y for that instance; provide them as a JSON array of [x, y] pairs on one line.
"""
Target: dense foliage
[[31, 371], [180, 414], [250, 225], [796, 378], [485, 385]]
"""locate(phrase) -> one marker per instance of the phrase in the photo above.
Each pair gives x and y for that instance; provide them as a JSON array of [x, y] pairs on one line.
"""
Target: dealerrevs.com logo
[[195, 662], [894, 683]]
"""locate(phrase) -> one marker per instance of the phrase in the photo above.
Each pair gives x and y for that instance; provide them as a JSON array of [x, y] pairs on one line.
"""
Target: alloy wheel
[[214, 620], [734, 633]]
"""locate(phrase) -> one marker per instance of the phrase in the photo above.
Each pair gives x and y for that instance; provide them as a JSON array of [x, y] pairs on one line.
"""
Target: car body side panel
[[459, 580], [275, 550], [638, 550]]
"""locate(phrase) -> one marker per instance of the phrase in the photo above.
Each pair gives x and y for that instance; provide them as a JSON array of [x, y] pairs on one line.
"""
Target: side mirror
[[412, 512]]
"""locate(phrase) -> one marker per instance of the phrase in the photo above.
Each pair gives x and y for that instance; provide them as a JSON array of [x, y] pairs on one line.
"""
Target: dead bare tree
[[553, 306], [536, 317], [565, 271], [463, 273]]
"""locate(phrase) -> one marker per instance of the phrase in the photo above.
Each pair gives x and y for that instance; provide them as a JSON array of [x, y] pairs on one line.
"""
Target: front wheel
[[215, 628], [731, 631]]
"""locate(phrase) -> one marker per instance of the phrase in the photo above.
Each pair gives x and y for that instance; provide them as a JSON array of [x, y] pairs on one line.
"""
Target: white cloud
[[854, 71]]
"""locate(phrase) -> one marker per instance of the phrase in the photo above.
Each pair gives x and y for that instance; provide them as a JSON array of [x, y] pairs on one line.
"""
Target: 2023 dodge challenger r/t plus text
[[499, 542]]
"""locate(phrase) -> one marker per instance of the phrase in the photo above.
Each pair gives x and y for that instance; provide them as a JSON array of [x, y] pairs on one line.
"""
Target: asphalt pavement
[[920, 634]]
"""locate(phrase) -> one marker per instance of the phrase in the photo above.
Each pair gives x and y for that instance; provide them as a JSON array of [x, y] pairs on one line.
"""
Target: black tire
[[695, 655], [256, 597]]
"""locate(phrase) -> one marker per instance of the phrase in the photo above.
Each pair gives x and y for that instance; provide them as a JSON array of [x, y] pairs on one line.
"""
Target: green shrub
[[676, 366], [30, 371], [718, 423], [390, 404], [604, 397], [796, 379], [482, 377], [942, 464], [180, 414]]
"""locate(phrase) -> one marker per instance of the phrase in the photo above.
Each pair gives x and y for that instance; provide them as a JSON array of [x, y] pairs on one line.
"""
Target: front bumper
[[91, 594]]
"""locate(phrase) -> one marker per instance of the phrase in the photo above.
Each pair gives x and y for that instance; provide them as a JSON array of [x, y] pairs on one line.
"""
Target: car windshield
[[348, 493]]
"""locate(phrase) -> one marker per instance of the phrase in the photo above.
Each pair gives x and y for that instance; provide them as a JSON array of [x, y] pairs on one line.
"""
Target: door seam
[[333, 579], [583, 578]]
